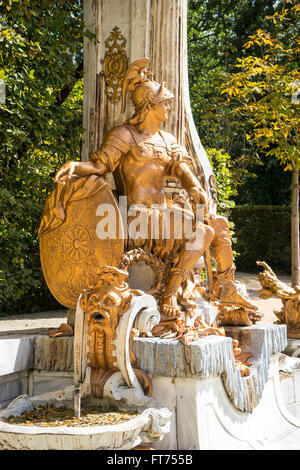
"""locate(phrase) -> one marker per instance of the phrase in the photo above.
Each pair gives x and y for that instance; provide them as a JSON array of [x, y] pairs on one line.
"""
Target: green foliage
[[22, 287], [226, 186], [270, 186], [262, 92], [217, 32], [40, 128], [262, 233]]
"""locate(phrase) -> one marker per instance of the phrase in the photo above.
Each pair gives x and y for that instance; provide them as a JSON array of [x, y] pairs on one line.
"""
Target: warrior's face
[[161, 110]]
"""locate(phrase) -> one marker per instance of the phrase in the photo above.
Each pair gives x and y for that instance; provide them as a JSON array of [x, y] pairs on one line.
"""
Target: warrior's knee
[[221, 223], [202, 239], [209, 234]]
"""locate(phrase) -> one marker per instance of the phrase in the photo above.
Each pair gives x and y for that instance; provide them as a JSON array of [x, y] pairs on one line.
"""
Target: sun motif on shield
[[77, 244]]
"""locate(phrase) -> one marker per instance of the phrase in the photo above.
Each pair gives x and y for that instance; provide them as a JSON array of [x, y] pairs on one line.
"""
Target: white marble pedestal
[[213, 406]]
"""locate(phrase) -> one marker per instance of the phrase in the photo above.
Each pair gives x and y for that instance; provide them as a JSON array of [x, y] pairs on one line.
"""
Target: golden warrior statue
[[145, 157]]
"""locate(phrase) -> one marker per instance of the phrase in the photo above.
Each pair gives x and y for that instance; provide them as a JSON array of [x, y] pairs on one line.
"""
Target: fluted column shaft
[[153, 28]]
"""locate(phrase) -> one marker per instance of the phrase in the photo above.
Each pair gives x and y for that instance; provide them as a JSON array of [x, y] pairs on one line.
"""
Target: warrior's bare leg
[[221, 245], [187, 259], [221, 250]]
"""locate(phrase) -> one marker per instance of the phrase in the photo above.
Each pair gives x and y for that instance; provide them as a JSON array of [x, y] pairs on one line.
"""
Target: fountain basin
[[122, 436]]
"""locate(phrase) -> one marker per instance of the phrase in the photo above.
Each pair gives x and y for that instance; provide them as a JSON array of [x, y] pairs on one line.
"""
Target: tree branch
[[64, 92]]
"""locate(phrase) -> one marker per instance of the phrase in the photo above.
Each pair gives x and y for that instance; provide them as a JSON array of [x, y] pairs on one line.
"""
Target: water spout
[[78, 357], [77, 401]]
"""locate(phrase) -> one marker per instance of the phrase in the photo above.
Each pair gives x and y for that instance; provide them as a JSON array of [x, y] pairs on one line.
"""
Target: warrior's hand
[[79, 169], [65, 172], [199, 196]]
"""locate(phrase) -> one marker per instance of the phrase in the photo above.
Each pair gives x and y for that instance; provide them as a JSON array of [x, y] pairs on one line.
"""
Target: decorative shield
[[71, 245]]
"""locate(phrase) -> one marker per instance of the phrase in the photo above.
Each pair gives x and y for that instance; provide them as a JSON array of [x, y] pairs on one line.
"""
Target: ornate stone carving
[[141, 256], [63, 330], [109, 338], [290, 297], [114, 65], [104, 305], [231, 316], [77, 244], [145, 158], [231, 312]]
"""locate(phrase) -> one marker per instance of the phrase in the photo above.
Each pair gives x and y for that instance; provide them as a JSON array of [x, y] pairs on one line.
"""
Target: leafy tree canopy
[[41, 47], [217, 32], [265, 92]]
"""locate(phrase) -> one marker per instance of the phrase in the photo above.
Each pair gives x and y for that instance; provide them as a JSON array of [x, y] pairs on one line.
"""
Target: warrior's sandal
[[170, 312], [230, 296]]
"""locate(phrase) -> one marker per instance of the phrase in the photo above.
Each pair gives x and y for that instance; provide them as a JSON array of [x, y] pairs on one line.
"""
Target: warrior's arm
[[179, 167], [101, 161], [191, 184], [80, 169]]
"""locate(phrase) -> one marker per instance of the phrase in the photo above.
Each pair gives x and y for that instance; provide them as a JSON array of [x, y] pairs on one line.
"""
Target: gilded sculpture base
[[234, 307], [65, 209]]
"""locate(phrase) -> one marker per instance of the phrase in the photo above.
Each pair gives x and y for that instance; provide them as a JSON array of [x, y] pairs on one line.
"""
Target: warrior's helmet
[[143, 89]]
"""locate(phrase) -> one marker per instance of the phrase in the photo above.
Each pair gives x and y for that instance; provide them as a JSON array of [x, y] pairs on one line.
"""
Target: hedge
[[262, 233]]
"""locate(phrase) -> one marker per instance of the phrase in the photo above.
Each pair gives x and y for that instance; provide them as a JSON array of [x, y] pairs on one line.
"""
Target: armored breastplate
[[150, 150]]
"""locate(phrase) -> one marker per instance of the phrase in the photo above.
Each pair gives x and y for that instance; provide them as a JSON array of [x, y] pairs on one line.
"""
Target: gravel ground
[[32, 323], [39, 322], [265, 306]]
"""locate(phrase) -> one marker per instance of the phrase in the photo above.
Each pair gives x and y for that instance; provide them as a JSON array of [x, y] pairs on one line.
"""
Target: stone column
[[146, 28]]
